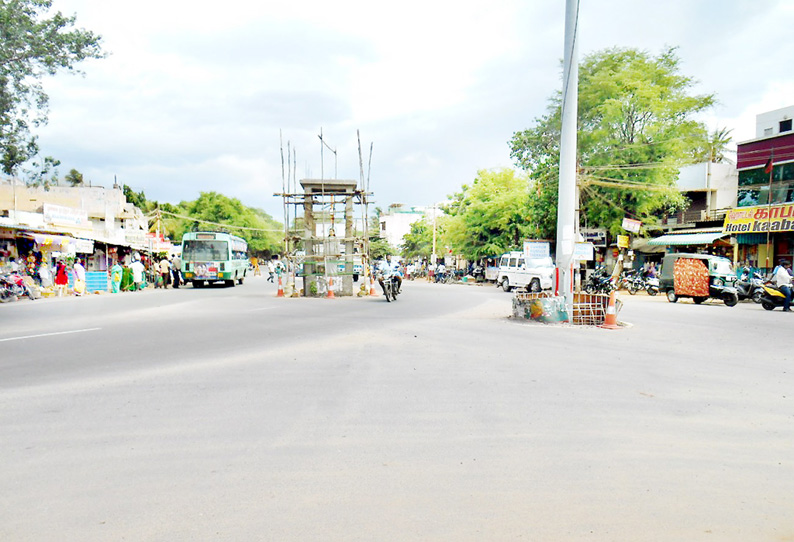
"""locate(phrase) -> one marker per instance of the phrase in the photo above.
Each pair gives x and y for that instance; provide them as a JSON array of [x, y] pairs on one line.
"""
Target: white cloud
[[194, 94]]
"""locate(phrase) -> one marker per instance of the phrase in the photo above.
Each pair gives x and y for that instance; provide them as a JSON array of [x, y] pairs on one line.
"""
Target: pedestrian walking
[[270, 271], [138, 271], [79, 277], [61, 279], [176, 270], [116, 274], [165, 271]]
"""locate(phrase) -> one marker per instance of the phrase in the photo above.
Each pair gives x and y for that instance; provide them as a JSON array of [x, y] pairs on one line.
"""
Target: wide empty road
[[231, 414]]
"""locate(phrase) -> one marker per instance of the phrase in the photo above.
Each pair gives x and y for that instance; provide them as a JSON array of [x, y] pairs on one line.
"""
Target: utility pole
[[433, 256], [566, 208], [324, 144]]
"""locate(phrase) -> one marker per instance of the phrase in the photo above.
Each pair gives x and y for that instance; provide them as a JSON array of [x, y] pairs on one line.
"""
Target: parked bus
[[213, 257]]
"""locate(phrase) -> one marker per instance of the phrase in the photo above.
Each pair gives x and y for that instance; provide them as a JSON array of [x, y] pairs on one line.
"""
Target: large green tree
[[418, 243], [490, 216], [636, 127], [216, 212], [33, 43]]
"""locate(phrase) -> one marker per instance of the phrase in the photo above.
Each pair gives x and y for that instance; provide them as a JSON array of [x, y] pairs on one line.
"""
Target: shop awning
[[700, 238], [51, 241]]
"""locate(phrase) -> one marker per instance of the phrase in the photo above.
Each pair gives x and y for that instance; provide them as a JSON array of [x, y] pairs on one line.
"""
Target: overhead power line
[[230, 226], [631, 185]]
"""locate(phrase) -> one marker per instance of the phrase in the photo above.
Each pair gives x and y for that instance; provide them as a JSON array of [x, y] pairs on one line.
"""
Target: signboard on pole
[[535, 250], [596, 236], [583, 252], [631, 225], [623, 241]]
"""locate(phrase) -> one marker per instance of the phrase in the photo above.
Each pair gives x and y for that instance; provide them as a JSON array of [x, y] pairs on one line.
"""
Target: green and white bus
[[213, 257]]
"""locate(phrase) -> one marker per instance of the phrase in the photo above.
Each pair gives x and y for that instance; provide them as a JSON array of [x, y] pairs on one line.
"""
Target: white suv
[[515, 272]]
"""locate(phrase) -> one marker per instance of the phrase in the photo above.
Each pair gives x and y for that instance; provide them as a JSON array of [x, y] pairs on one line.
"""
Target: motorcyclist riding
[[387, 269]]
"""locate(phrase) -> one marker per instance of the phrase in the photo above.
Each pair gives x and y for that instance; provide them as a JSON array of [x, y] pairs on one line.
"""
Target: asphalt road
[[231, 414]]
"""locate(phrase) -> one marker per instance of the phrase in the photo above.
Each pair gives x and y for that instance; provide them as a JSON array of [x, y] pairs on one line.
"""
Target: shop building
[[762, 222], [90, 222]]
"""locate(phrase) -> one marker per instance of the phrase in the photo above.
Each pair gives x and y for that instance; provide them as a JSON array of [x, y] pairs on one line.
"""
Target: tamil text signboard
[[65, 216], [760, 219]]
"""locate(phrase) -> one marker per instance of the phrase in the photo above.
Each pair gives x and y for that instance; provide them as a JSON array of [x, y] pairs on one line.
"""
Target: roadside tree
[[418, 243], [33, 44], [636, 127], [490, 216]]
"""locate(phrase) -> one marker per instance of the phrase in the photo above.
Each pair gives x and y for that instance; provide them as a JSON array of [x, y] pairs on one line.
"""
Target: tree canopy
[[490, 216], [33, 43], [212, 211], [636, 128], [418, 243]]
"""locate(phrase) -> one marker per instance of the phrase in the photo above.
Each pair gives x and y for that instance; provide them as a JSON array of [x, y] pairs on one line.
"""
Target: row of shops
[[31, 248], [756, 237]]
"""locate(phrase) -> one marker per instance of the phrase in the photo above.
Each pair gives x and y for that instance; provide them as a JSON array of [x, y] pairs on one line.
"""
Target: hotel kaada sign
[[760, 219]]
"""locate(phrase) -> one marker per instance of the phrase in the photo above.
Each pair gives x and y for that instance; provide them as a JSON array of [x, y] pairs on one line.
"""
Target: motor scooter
[[748, 287], [772, 297]]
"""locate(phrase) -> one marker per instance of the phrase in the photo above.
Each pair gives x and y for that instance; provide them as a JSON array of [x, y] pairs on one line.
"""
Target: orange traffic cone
[[611, 320], [372, 286], [330, 288], [280, 288]]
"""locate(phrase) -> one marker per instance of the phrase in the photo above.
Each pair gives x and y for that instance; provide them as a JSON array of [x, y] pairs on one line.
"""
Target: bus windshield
[[205, 251]]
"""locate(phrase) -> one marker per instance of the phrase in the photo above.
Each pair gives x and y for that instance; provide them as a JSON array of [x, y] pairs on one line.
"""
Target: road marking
[[50, 334]]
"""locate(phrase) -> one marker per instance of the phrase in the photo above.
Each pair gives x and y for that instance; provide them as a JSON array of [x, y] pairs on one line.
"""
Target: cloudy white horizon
[[194, 96]]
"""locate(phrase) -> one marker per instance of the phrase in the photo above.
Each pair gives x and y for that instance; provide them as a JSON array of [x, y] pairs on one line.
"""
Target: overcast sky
[[194, 94]]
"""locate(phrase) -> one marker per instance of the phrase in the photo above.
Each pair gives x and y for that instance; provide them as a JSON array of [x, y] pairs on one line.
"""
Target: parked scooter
[[772, 297], [750, 287]]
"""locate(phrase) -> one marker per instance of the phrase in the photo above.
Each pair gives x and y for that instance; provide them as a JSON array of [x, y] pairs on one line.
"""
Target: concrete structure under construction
[[329, 250]]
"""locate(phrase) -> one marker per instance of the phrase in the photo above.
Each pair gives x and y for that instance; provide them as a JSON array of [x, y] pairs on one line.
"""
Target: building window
[[785, 125], [767, 131]]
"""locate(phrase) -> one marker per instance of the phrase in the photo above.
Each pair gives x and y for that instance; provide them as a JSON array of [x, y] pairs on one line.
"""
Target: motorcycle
[[478, 272], [599, 282], [391, 286], [771, 297], [750, 287], [652, 285], [12, 287], [630, 280]]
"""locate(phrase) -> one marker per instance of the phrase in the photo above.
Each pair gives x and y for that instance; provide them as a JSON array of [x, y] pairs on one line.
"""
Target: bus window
[[198, 251]]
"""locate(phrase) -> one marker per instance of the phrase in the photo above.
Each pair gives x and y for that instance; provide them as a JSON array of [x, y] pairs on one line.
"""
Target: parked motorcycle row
[[600, 282]]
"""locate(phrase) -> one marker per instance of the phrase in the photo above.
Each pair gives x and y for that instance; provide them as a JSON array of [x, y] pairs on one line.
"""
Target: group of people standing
[[133, 277], [170, 272]]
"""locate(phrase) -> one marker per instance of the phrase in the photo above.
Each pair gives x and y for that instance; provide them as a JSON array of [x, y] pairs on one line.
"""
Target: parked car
[[533, 275], [698, 276]]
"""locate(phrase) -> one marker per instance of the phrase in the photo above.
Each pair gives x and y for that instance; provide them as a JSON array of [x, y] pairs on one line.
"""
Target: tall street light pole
[[566, 207]]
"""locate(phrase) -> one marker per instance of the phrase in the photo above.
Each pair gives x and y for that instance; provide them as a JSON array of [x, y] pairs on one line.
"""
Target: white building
[[774, 123], [396, 222]]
